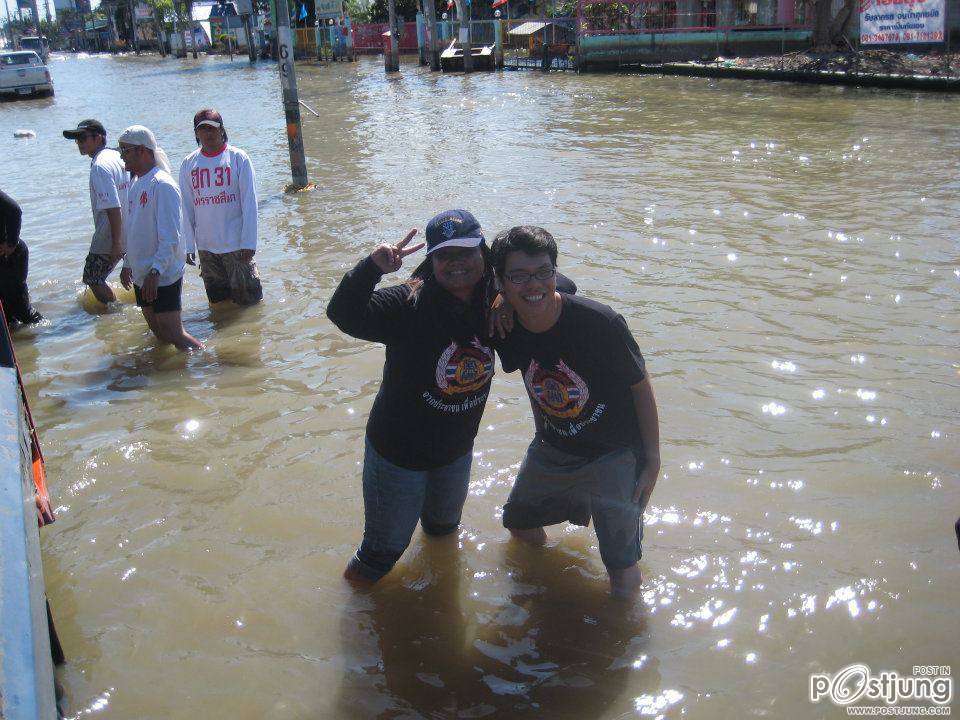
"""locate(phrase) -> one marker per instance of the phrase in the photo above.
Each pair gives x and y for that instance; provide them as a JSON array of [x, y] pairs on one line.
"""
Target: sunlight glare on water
[[787, 259]]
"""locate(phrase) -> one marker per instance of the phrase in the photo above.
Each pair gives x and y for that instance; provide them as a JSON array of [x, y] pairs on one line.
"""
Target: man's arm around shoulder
[[646, 408]]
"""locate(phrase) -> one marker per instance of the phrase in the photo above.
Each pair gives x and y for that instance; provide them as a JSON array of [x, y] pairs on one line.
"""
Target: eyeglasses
[[124, 150], [542, 274]]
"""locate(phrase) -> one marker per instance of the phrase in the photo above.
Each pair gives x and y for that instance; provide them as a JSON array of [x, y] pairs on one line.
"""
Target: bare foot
[[625, 583], [534, 536]]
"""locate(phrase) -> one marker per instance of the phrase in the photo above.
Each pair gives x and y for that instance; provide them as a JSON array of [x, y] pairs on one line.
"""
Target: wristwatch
[[153, 271]]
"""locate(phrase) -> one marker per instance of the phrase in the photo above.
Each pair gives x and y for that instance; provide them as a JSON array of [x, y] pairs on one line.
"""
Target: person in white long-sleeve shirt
[[155, 249], [219, 196]]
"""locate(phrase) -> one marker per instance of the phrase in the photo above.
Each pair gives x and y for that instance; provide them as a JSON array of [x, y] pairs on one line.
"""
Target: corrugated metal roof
[[528, 28]]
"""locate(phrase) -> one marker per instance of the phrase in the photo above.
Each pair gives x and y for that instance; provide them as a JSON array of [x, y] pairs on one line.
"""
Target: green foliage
[[359, 10], [162, 10], [406, 9], [611, 15]]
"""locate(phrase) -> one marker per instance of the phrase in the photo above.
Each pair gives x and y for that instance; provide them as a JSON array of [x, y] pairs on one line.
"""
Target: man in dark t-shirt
[[596, 453]]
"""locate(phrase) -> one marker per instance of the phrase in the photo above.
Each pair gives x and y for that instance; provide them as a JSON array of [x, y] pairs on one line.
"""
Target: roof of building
[[528, 28]]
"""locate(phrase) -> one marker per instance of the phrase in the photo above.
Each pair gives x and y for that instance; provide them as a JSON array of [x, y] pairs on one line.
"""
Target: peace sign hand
[[389, 258]]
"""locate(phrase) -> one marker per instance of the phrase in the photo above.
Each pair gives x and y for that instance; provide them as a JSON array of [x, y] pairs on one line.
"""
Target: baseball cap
[[86, 127], [453, 228], [138, 135], [208, 117]]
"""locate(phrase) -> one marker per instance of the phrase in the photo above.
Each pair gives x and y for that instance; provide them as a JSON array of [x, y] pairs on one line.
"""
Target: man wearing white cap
[[109, 183], [219, 194], [155, 251]]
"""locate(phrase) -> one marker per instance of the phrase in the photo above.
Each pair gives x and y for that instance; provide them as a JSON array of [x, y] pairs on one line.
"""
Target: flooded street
[[787, 258]]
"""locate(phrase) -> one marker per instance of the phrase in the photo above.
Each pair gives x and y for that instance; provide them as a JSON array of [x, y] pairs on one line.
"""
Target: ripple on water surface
[[786, 258]]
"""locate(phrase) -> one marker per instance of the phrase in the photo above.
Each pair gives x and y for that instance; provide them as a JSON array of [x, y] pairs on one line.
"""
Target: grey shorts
[[227, 277], [96, 268], [553, 487]]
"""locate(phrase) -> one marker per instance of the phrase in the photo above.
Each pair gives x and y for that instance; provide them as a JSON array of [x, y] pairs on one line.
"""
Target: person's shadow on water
[[407, 654], [541, 638], [558, 645]]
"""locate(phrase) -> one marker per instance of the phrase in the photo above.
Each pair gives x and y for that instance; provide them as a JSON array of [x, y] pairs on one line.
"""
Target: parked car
[[40, 45], [22, 72]]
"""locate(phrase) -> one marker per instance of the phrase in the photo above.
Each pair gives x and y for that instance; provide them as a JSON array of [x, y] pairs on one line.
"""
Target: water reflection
[[540, 633], [778, 543]]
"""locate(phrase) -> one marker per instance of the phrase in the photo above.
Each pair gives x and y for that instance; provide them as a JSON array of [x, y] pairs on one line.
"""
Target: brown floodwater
[[788, 260]]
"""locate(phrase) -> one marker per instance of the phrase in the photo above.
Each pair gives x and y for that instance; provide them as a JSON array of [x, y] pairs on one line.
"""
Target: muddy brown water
[[788, 260]]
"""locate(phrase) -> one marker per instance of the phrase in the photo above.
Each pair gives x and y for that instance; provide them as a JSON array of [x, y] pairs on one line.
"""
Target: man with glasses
[[219, 193], [155, 255], [109, 184], [596, 452]]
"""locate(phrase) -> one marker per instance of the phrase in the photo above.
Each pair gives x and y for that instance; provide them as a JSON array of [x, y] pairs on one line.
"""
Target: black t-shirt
[[578, 375], [438, 368], [10, 219]]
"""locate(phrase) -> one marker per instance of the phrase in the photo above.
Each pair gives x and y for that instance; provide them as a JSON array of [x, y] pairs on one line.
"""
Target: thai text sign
[[329, 8], [887, 22]]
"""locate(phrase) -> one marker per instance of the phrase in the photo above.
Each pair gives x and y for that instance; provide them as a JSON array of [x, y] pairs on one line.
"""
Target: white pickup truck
[[22, 72]]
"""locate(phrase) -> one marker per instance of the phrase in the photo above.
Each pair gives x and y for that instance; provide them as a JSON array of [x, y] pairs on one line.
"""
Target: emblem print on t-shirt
[[559, 392], [464, 369]]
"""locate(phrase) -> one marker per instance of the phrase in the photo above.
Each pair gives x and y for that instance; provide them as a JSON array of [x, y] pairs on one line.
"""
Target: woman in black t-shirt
[[439, 364]]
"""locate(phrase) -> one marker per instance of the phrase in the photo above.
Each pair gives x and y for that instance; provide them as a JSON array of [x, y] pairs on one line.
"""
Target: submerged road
[[788, 260]]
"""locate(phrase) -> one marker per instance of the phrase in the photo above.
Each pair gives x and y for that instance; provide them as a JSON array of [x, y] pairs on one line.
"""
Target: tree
[[358, 10], [407, 9], [829, 30], [162, 12]]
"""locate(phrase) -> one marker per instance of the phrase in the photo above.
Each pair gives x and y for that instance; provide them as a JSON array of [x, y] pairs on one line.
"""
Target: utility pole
[[465, 38], [133, 26], [188, 4], [248, 28], [291, 99], [79, 4], [394, 62], [9, 26], [431, 10]]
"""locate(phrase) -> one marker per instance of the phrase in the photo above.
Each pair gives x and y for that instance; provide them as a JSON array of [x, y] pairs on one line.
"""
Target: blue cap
[[453, 228]]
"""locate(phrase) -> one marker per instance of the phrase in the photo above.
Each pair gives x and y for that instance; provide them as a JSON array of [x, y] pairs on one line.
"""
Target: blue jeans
[[395, 498]]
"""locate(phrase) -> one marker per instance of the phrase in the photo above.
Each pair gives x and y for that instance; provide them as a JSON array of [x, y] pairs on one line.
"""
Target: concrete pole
[[83, 26], [465, 39], [188, 6], [9, 26], [433, 50], [133, 26], [178, 31], [159, 31], [248, 27], [393, 64], [421, 38], [291, 99]]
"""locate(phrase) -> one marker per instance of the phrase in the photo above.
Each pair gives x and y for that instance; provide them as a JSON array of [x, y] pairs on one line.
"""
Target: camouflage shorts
[[227, 277], [96, 268]]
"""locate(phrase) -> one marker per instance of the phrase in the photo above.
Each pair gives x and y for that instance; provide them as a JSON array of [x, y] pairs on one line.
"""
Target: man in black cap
[[14, 260], [109, 182]]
